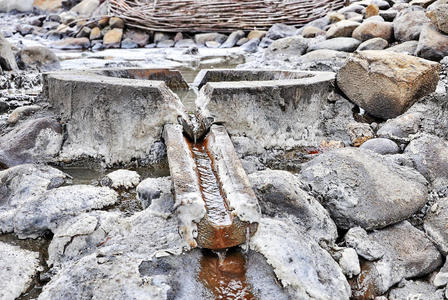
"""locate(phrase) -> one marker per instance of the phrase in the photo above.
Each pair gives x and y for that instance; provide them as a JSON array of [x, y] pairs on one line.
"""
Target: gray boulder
[[381, 146], [430, 156], [38, 57], [345, 44], [233, 39], [280, 195], [251, 46], [401, 128], [361, 188], [408, 253], [279, 31], [19, 267], [432, 44], [415, 290], [300, 264], [7, 59], [435, 224], [409, 23], [373, 44], [35, 140], [286, 48], [46, 211]]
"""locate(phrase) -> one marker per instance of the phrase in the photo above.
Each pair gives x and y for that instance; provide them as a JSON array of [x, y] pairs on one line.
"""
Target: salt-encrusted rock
[[46, 211], [123, 179], [362, 188], [19, 5], [170, 43], [441, 278], [38, 57], [21, 112], [303, 268], [36, 140], [279, 31], [408, 47], [342, 29], [438, 13], [430, 156], [155, 194], [409, 23], [286, 48], [7, 59], [408, 253], [386, 84], [185, 43], [401, 128], [415, 290], [381, 146], [72, 44], [18, 268], [112, 38], [436, 222], [432, 44], [86, 7], [233, 39], [111, 270], [367, 248], [349, 262], [373, 44], [374, 29], [345, 44], [280, 195]]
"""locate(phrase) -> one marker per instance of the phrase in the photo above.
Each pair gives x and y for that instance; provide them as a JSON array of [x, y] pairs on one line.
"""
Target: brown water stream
[[225, 275]]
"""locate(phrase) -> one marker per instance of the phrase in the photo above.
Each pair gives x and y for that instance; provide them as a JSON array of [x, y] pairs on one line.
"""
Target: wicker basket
[[222, 16]]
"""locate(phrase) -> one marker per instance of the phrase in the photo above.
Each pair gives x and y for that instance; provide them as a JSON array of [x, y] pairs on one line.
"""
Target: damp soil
[[225, 275]]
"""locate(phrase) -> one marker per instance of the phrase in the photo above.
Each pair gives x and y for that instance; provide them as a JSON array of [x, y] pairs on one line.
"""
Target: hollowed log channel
[[219, 229], [215, 203]]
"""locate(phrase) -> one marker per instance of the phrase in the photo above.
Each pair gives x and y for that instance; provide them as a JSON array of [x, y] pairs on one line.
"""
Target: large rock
[[19, 266], [361, 188], [430, 156], [19, 5], [386, 84], [408, 253], [38, 57], [342, 29], [7, 59], [415, 290], [432, 44], [300, 264], [345, 44], [374, 29], [322, 60], [402, 128], [280, 195], [46, 211], [286, 48], [438, 13], [112, 38], [37, 140], [381, 146], [409, 23], [436, 223], [86, 7], [279, 31]]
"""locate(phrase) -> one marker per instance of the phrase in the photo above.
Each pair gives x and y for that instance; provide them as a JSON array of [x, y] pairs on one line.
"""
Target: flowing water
[[224, 274]]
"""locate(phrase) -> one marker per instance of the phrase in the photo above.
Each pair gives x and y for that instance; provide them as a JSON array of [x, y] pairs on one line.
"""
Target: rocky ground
[[362, 214]]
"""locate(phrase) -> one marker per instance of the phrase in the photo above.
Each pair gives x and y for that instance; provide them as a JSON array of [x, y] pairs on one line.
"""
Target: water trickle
[[217, 210], [226, 279]]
